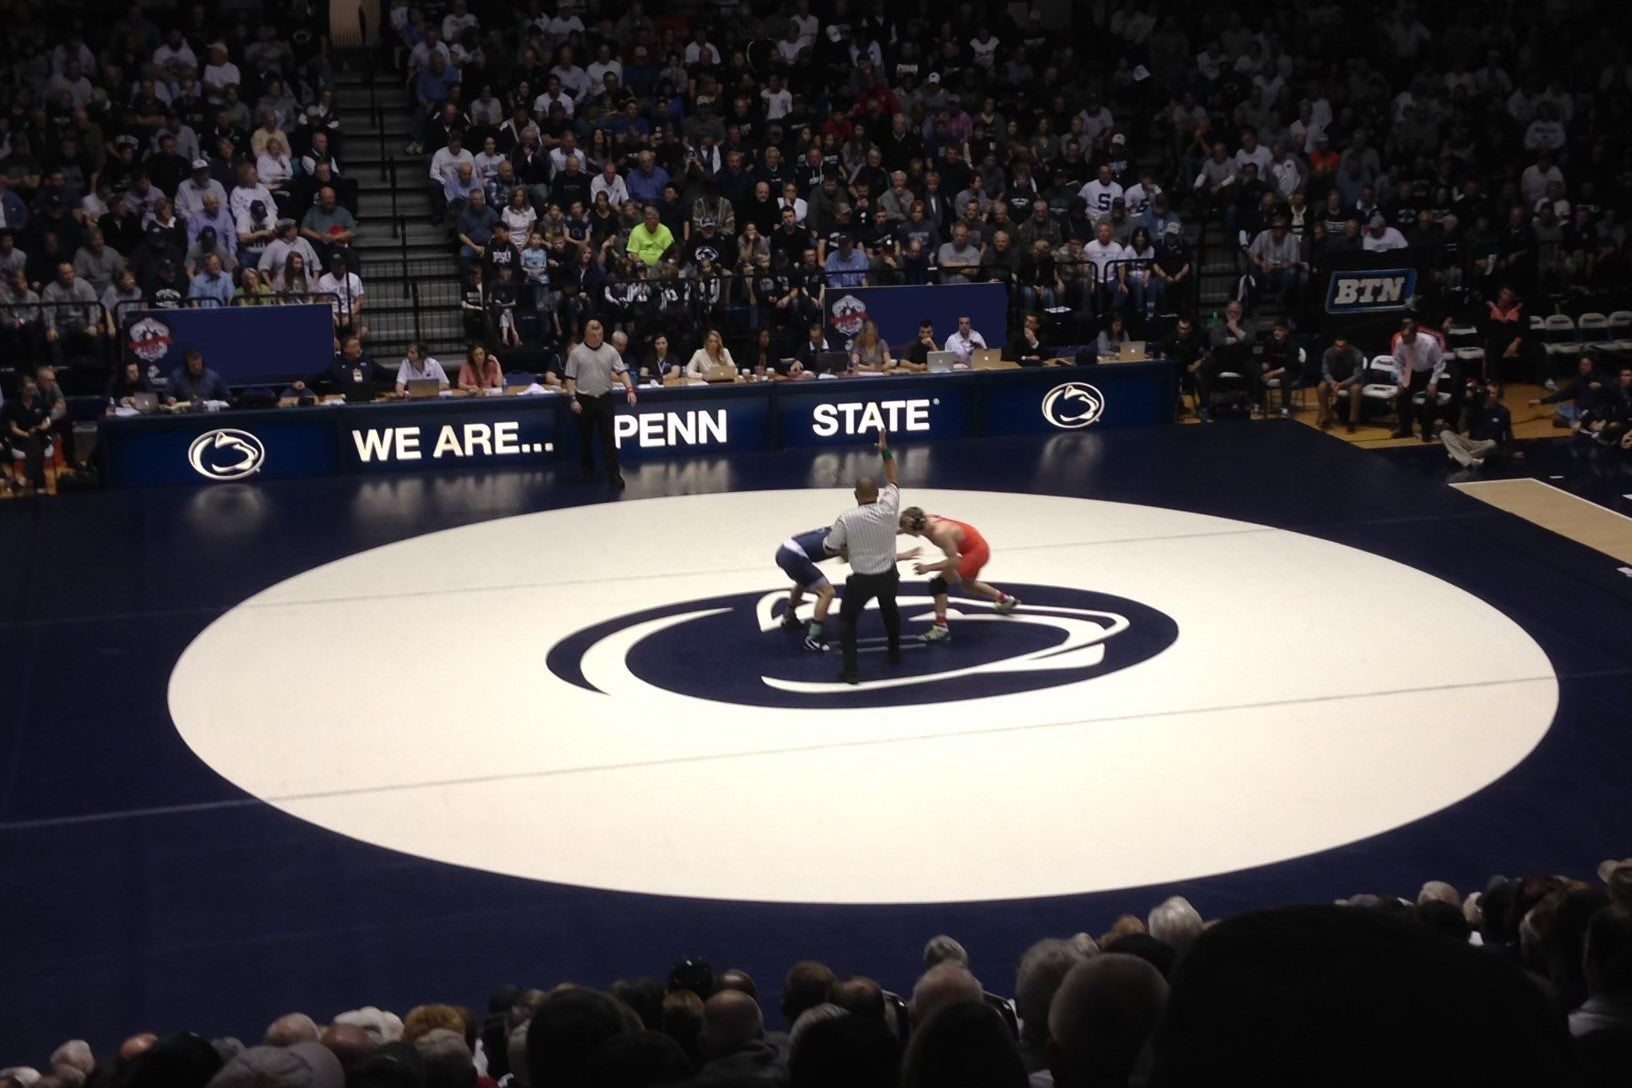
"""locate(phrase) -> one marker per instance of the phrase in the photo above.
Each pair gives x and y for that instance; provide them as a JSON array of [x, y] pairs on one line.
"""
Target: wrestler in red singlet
[[963, 541], [972, 549]]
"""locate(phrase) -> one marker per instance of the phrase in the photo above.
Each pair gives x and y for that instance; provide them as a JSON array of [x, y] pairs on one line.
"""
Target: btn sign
[[1371, 291]]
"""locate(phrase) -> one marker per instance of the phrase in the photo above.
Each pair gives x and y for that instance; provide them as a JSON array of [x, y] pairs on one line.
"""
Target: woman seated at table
[[480, 371], [712, 354], [418, 366], [1111, 338], [869, 352]]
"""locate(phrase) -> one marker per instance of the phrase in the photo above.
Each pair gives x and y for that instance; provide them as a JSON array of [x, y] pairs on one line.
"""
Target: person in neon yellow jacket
[[651, 240]]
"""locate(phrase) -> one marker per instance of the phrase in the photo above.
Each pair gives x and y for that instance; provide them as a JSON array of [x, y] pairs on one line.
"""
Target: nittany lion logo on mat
[[733, 649], [150, 340]]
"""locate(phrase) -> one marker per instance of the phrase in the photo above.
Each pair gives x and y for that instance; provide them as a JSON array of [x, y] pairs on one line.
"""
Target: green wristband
[[887, 454]]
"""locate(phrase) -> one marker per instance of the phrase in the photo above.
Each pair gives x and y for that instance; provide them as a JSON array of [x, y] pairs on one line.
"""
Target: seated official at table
[[1026, 346], [123, 385], [193, 381], [870, 352], [712, 354], [417, 366], [481, 371], [352, 373], [809, 354], [918, 352], [964, 343], [663, 365]]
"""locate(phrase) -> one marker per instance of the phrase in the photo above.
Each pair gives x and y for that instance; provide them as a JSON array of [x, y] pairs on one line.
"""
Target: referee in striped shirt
[[867, 534]]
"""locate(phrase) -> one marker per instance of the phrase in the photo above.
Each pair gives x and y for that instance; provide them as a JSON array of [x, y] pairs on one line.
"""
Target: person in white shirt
[[790, 199], [1533, 181], [1102, 252], [562, 26], [1139, 197], [1286, 171], [554, 95], [445, 163], [457, 21], [274, 166], [276, 254], [347, 289], [1421, 364], [1096, 122], [192, 190], [419, 58], [603, 63], [518, 213], [416, 366], [984, 47], [220, 72], [1380, 237], [700, 52], [486, 110], [574, 80], [777, 98], [610, 182], [1099, 193], [807, 23], [175, 53], [249, 190], [567, 149], [1254, 152], [487, 162], [965, 342], [1304, 131], [792, 45]]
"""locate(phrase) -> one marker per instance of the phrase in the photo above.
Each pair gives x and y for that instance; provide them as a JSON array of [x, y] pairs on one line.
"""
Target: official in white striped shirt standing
[[1422, 366], [867, 534]]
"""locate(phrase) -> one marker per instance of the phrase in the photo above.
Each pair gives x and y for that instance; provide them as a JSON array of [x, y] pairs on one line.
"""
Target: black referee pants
[[858, 590], [1417, 382], [595, 418]]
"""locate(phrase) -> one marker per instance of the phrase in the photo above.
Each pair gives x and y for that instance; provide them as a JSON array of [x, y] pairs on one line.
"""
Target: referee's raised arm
[[891, 477]]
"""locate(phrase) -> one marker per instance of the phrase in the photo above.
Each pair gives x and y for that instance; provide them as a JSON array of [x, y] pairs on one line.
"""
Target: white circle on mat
[[400, 696]]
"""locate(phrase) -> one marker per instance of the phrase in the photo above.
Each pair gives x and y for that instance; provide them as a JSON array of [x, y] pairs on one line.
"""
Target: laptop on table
[[832, 362], [986, 358], [940, 362], [424, 388]]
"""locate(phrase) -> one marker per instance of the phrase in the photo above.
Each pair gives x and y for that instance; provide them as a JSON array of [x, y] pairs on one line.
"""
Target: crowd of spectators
[[191, 157], [1528, 981], [664, 171]]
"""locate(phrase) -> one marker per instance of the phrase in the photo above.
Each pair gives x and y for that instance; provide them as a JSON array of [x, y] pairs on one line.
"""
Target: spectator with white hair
[[943, 949], [73, 1062], [1175, 922], [291, 1028]]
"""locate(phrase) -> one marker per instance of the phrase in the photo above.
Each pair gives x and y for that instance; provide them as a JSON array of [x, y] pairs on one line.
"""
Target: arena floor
[[320, 744]]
